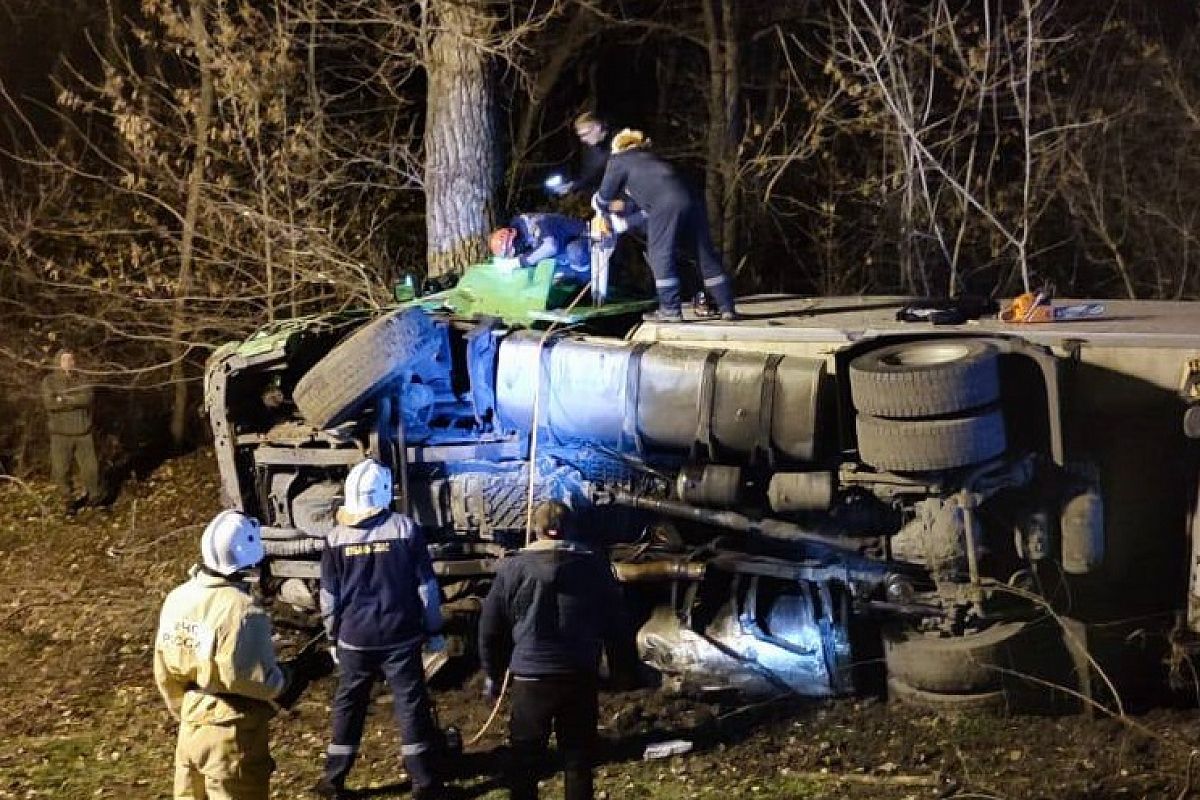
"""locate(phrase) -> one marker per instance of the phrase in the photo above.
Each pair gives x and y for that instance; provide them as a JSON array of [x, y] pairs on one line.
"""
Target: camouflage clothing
[[67, 398]]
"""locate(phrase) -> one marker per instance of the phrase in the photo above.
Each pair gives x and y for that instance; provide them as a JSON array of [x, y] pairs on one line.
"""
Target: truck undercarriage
[[787, 511]]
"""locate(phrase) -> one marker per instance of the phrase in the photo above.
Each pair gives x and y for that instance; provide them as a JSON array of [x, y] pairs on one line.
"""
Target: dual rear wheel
[[927, 406], [930, 406]]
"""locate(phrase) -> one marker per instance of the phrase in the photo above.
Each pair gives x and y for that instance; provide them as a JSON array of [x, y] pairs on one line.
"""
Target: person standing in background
[[593, 132], [68, 399]]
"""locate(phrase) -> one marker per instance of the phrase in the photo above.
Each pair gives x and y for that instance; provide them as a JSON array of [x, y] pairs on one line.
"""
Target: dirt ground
[[80, 717]]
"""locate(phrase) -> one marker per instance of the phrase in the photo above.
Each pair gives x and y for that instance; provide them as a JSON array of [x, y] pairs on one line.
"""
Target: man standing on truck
[[215, 666], [594, 133], [67, 399], [674, 215], [380, 601], [551, 608]]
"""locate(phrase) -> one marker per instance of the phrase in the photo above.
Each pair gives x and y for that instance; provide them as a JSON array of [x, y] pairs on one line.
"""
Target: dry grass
[[81, 719]]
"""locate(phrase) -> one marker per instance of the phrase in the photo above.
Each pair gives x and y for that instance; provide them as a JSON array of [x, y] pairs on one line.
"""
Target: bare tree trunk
[[179, 348], [317, 104], [460, 136], [720, 24]]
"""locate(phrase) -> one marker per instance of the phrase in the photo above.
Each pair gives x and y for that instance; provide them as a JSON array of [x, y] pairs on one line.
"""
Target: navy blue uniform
[[673, 216], [379, 601], [551, 609], [564, 239]]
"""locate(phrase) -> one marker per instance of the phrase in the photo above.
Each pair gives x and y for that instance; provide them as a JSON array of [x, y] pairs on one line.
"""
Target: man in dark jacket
[[380, 602], [597, 140], [551, 608], [674, 216], [67, 398]]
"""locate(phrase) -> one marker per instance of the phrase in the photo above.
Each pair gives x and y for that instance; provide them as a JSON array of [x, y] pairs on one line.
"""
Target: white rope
[[537, 413], [533, 437]]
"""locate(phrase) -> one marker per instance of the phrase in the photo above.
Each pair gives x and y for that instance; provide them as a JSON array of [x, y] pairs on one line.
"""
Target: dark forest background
[[175, 173]]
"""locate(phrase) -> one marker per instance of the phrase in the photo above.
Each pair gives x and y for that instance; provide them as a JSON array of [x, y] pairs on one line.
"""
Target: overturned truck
[[815, 499]]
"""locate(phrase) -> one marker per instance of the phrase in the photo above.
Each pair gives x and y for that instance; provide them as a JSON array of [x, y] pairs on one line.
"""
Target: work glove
[[436, 643], [600, 229], [491, 692], [506, 264], [619, 223]]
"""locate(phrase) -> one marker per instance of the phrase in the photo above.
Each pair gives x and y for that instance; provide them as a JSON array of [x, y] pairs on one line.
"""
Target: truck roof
[[790, 318]]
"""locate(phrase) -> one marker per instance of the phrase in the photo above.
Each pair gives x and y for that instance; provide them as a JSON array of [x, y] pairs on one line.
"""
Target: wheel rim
[[926, 355]]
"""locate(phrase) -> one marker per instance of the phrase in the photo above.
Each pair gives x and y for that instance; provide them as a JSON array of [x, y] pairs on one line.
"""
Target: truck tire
[[375, 354], [991, 702], [970, 664], [922, 379], [929, 445]]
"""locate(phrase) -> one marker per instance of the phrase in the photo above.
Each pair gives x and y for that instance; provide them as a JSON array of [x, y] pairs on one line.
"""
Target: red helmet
[[502, 242]]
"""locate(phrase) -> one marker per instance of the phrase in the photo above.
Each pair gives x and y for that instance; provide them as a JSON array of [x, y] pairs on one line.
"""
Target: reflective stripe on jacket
[[214, 661], [378, 589]]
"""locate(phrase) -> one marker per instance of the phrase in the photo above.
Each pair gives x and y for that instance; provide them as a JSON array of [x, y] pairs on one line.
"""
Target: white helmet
[[368, 490], [231, 542]]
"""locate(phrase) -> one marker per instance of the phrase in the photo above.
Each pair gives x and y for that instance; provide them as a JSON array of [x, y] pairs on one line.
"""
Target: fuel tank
[[649, 398]]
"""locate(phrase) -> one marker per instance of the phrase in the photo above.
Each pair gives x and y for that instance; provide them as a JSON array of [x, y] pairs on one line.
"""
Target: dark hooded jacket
[[551, 609], [592, 162]]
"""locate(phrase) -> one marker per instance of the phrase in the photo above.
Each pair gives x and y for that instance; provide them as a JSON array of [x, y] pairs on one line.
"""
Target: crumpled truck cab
[[815, 499]]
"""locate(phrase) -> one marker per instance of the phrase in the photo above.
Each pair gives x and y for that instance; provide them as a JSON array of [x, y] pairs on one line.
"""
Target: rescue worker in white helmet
[[215, 666], [674, 216], [380, 602]]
